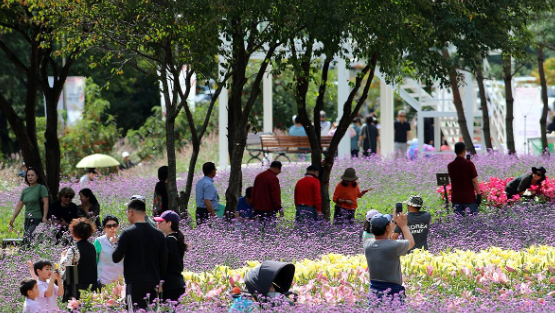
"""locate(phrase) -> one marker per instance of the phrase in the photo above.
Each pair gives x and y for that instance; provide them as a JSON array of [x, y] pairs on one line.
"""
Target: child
[[367, 232], [29, 288], [244, 206], [48, 291]]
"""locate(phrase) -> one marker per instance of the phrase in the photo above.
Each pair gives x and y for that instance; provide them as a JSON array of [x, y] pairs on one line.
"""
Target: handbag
[[71, 276]]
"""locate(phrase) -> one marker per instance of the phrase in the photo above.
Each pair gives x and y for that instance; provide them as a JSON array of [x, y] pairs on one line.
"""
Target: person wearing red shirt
[[464, 182], [345, 197], [308, 200], [266, 192]]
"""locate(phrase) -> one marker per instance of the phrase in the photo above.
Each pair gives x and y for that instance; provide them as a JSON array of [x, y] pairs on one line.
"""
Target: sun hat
[[370, 214], [539, 169], [125, 154], [380, 220], [415, 201], [168, 216], [349, 175]]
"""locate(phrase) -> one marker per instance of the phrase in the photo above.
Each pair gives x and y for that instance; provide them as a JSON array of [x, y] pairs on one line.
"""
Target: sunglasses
[[109, 226], [539, 174], [402, 115], [67, 197]]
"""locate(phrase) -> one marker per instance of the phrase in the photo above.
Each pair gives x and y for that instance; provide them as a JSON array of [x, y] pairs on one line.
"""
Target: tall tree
[[483, 104], [40, 25], [249, 27], [544, 39], [169, 41]]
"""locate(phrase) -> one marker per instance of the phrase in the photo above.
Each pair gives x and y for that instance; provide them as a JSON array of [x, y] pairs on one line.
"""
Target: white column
[[222, 122], [386, 119], [267, 101], [469, 99], [343, 77], [420, 133]]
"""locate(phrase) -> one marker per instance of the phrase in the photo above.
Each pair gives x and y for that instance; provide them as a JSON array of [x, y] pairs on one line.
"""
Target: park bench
[[254, 148], [11, 242], [283, 145]]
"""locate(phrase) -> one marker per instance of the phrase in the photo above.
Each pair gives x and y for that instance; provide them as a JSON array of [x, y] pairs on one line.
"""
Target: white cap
[[125, 154], [369, 215]]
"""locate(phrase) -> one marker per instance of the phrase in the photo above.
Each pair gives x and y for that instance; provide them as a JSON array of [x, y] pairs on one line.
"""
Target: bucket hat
[[349, 175], [415, 201]]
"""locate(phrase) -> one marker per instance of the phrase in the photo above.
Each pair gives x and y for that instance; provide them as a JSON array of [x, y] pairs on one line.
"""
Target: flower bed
[[494, 194], [465, 277]]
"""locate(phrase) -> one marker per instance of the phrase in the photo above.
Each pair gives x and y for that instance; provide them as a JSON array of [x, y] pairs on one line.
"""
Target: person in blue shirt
[[297, 129], [207, 198], [244, 206]]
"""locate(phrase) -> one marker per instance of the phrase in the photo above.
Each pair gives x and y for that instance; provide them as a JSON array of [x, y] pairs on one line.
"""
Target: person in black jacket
[[174, 284], [523, 182], [146, 256], [83, 254]]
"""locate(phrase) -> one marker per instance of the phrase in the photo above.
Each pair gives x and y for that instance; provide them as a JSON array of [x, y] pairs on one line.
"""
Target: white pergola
[[412, 92]]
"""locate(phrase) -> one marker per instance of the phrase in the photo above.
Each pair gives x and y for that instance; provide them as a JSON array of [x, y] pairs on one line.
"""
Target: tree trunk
[[238, 115], [543, 83], [30, 154], [235, 107], [52, 145], [484, 105], [173, 201], [509, 100], [190, 175], [457, 100]]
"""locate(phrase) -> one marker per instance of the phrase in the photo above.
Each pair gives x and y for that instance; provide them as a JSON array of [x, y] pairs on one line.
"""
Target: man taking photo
[[418, 223], [383, 255]]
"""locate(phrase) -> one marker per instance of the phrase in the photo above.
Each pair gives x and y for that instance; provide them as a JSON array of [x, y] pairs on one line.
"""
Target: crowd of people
[[149, 253]]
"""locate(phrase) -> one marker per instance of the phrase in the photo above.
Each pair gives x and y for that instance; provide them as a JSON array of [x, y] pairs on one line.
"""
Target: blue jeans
[[460, 208], [305, 214]]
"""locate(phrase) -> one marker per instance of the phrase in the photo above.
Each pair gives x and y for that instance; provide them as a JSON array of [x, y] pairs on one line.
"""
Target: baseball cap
[[125, 154], [380, 220], [370, 214], [168, 216], [136, 197]]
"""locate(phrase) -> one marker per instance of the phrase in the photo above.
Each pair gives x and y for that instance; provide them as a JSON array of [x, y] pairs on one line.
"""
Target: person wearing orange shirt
[[345, 197]]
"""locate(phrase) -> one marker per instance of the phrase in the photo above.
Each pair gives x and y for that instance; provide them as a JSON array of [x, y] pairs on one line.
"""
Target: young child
[[367, 232], [29, 288], [48, 291]]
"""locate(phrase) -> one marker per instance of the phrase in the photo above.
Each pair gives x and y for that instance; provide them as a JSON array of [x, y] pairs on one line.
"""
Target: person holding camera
[[418, 223], [383, 255], [464, 182]]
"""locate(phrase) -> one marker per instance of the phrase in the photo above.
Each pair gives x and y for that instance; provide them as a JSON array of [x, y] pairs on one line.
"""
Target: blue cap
[[380, 220]]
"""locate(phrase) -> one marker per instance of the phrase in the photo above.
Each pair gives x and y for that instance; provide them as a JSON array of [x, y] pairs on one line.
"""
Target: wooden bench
[[282, 145], [11, 242], [254, 148]]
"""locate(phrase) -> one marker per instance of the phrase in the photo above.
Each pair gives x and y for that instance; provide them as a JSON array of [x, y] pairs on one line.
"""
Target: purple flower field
[[233, 245]]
